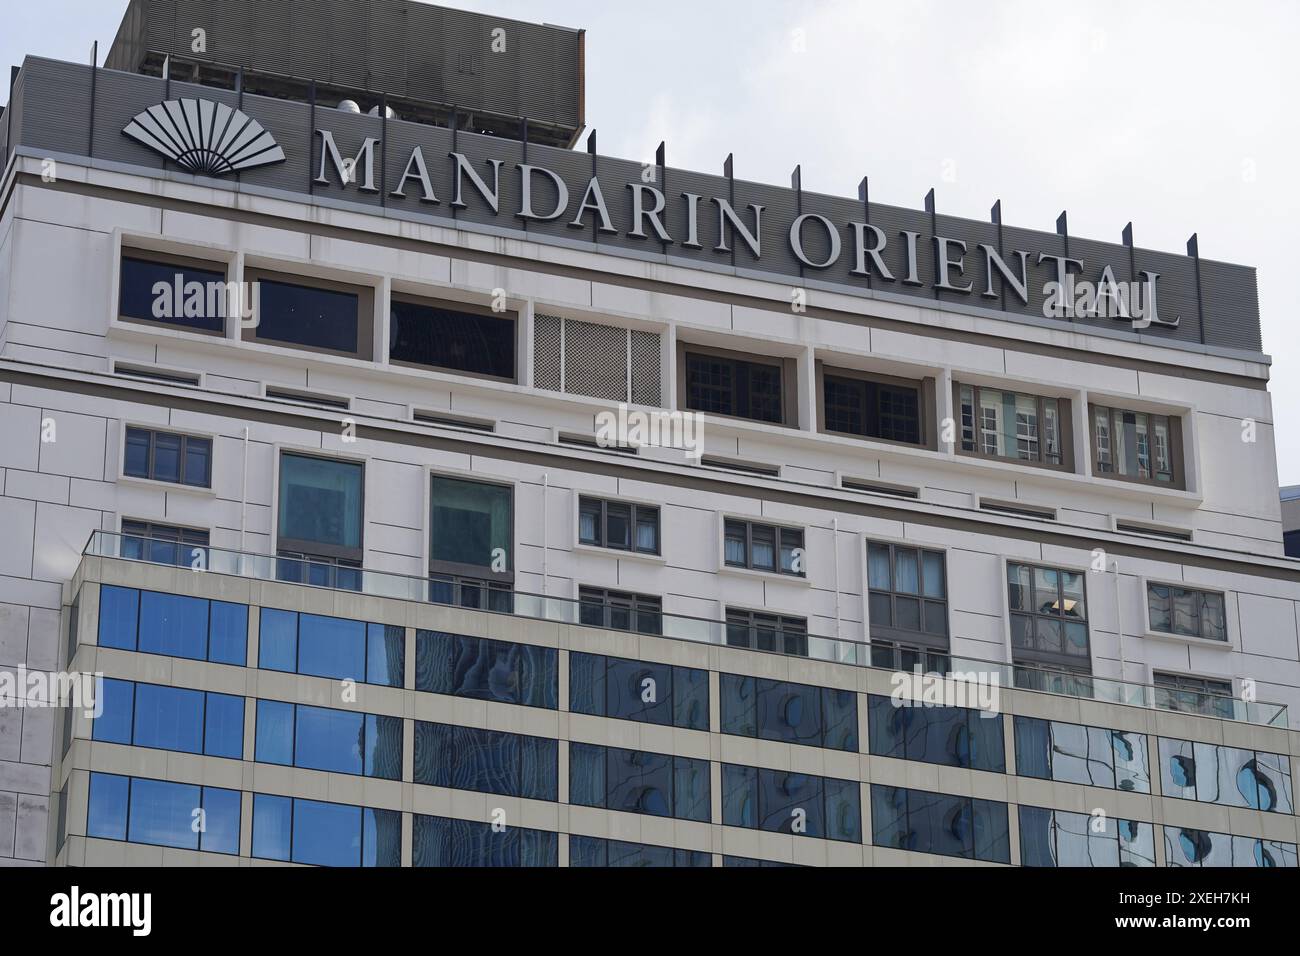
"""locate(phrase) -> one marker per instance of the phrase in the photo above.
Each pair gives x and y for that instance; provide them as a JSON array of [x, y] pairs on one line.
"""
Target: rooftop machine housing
[[425, 62]]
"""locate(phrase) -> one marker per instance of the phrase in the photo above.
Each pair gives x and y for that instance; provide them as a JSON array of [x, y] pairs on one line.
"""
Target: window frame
[[147, 535], [1034, 659], [1177, 465], [471, 573], [1229, 632], [787, 370], [1064, 418], [1175, 684], [303, 549], [181, 261], [421, 301], [365, 294], [636, 510], [926, 404], [782, 630], [893, 637], [778, 533], [185, 439], [638, 607]]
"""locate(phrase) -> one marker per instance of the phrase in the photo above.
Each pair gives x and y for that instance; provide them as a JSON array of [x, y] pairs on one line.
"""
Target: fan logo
[[205, 138]]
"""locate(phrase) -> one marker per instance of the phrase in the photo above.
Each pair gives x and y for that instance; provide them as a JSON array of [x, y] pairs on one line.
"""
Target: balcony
[[678, 627]]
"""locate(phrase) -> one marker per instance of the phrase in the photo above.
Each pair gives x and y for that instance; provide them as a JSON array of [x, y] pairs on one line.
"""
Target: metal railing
[[680, 627]]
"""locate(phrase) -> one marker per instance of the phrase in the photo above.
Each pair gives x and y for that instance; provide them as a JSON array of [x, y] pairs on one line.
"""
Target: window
[[763, 547], [325, 834], [1195, 695], [1072, 753], [884, 409], [1014, 426], [638, 690], [335, 741], [796, 803], [594, 852], [173, 626], [634, 781], [939, 823], [619, 526], [618, 611], [163, 544], [164, 456], [947, 736], [1135, 445], [751, 862], [793, 713], [460, 339], [1049, 617], [313, 314], [321, 506], [486, 761], [457, 590], [440, 842], [1185, 847], [155, 813], [171, 718], [332, 647], [767, 632], [907, 606], [726, 385], [479, 669], [1187, 613], [1227, 776], [160, 288], [471, 529], [1056, 838]]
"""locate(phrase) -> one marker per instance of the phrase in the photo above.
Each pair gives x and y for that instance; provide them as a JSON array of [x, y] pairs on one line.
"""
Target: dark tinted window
[[940, 823], [593, 852], [302, 315], [440, 842], [164, 544], [619, 611], [471, 525], [638, 782], [873, 409], [439, 337], [793, 713], [726, 386], [480, 669], [486, 761], [321, 504], [638, 690], [950, 736], [142, 297], [795, 803], [164, 456]]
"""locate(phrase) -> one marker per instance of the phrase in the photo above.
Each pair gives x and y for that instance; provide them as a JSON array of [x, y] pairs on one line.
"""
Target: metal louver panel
[[595, 361], [547, 353], [646, 371]]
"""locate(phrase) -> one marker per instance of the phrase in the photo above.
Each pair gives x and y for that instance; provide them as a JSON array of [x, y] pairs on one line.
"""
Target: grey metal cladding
[[973, 263], [290, 124], [1231, 296], [778, 212], [1039, 273], [575, 169], [1177, 286], [435, 145], [118, 98], [479, 149], [615, 175], [680, 181], [61, 124], [894, 221]]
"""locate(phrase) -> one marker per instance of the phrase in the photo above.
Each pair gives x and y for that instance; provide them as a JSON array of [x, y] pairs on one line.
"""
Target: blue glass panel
[[119, 614], [690, 698], [320, 500], [639, 782], [789, 712], [840, 719], [331, 647], [586, 775], [738, 705], [174, 626], [843, 810], [113, 725], [169, 718], [943, 737], [1036, 845], [221, 821], [587, 852], [887, 727], [621, 854], [538, 848], [636, 690], [228, 638], [539, 677], [328, 740], [385, 655], [1033, 748], [992, 840], [539, 768], [381, 838], [739, 796], [326, 834], [791, 803], [274, 743], [224, 730], [889, 825], [136, 459], [691, 789], [277, 641], [383, 747], [987, 747], [303, 315], [272, 826], [164, 814], [106, 812], [586, 684], [137, 299]]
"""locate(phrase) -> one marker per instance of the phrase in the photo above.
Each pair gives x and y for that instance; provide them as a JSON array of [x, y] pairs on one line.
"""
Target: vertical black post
[[595, 159], [526, 133], [1126, 237], [167, 77], [311, 140], [864, 194], [239, 88], [796, 183], [94, 72], [996, 214], [934, 231], [455, 148], [661, 160], [9, 117], [1194, 250], [729, 170], [1063, 230]]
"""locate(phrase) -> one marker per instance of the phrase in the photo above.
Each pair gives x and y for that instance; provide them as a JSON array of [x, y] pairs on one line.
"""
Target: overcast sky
[[1178, 115]]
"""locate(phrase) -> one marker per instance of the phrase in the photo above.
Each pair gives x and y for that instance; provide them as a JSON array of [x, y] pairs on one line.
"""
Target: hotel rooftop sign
[[644, 210]]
